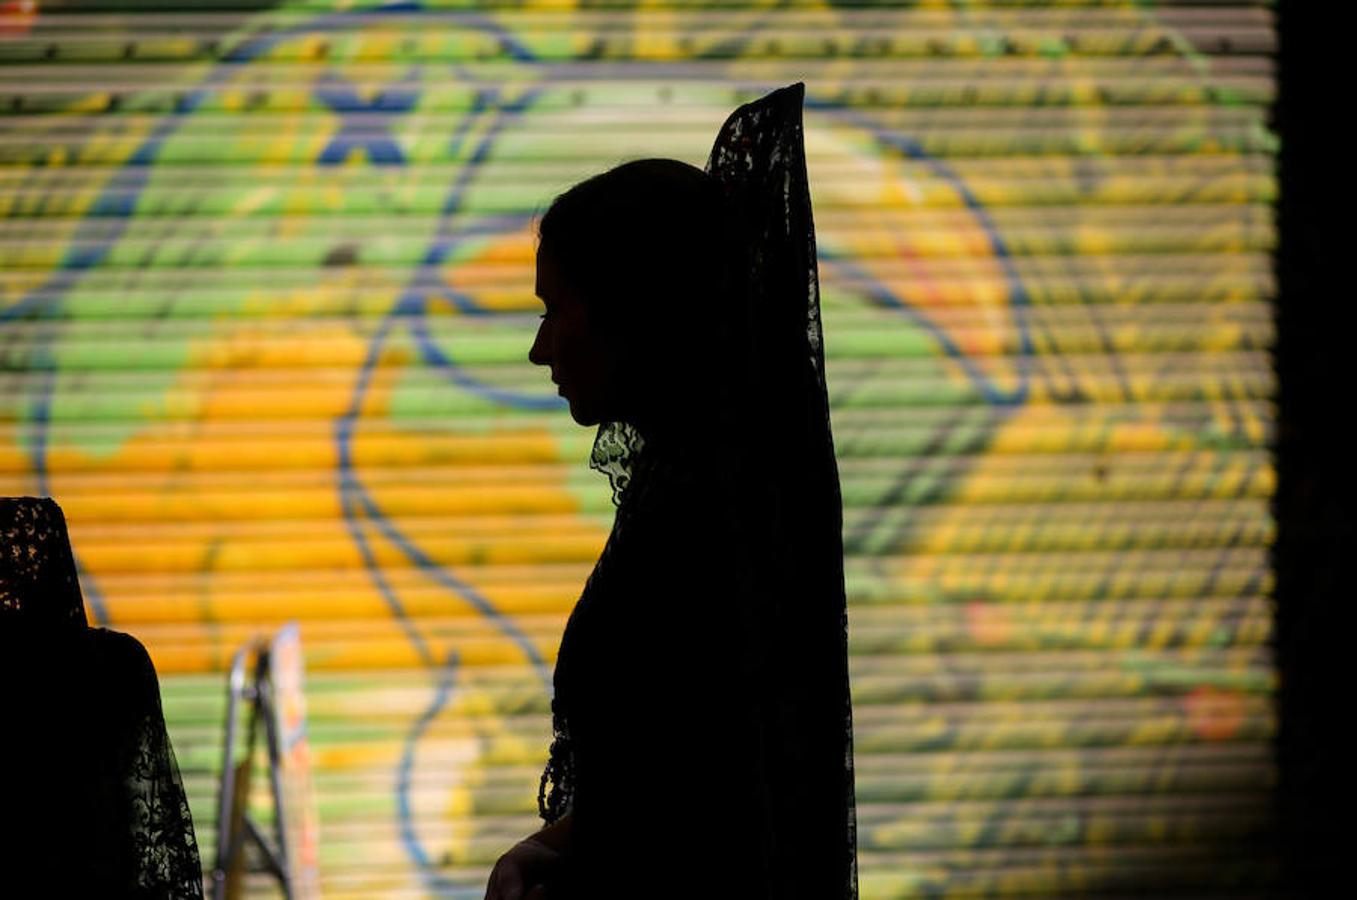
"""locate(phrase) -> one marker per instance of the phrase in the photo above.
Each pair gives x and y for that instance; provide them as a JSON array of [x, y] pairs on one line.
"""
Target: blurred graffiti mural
[[266, 297]]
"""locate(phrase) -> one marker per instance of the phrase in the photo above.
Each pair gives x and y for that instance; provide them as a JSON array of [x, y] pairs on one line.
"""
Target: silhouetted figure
[[703, 725], [93, 805]]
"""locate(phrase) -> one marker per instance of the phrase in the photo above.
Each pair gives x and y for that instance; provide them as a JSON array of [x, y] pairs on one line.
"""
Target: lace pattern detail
[[163, 841], [614, 453], [560, 770], [38, 582]]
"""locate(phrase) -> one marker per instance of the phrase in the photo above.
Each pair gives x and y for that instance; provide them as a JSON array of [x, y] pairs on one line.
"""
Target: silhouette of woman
[[93, 805], [702, 721]]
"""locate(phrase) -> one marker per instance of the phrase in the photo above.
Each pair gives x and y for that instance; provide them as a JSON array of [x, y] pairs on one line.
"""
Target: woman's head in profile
[[631, 267]]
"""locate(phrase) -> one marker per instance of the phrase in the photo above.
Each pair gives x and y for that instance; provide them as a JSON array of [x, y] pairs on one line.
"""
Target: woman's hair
[[647, 245]]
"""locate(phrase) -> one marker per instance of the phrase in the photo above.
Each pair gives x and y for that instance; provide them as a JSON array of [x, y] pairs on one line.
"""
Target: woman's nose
[[537, 354]]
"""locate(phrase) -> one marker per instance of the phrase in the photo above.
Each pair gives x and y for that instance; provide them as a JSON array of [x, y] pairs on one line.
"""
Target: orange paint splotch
[[1215, 714]]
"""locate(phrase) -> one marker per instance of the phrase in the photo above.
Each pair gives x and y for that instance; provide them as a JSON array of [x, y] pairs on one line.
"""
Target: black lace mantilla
[[38, 582], [94, 803], [705, 662]]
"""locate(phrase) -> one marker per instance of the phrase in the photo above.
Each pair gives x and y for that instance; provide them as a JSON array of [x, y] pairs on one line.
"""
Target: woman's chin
[[583, 415]]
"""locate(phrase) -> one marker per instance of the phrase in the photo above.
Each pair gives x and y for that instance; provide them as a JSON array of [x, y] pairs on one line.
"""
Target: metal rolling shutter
[[265, 303]]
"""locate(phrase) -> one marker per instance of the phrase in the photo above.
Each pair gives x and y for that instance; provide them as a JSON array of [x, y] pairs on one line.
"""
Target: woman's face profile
[[566, 344]]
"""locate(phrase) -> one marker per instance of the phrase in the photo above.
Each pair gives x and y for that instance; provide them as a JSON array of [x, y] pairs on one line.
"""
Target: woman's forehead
[[540, 288], [546, 274], [550, 287]]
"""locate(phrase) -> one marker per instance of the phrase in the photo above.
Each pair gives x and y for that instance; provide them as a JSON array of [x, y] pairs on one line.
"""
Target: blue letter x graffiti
[[374, 135]]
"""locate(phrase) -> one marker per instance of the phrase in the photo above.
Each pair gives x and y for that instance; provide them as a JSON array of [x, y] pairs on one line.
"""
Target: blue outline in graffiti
[[1018, 299], [433, 880]]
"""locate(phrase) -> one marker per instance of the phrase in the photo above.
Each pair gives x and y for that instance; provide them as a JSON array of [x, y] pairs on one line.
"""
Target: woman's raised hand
[[519, 874]]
